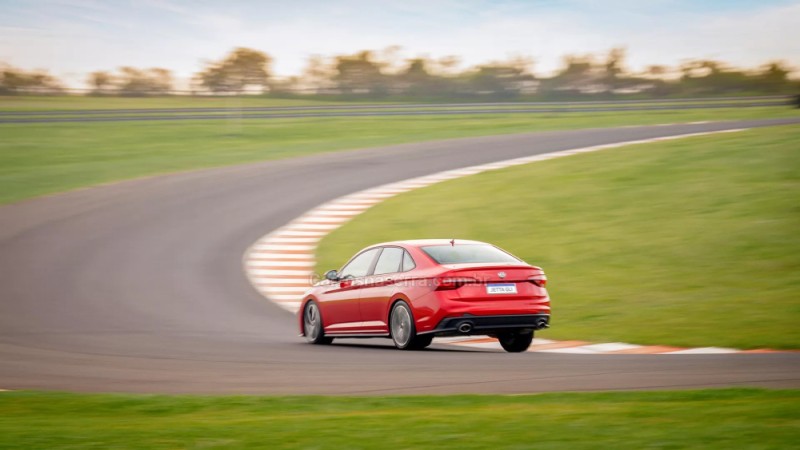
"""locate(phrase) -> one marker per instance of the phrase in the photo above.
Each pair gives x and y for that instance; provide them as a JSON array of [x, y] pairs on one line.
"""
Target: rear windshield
[[468, 254]]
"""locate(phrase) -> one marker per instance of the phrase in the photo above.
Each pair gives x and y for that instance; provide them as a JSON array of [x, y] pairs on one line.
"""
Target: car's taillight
[[449, 283], [539, 280]]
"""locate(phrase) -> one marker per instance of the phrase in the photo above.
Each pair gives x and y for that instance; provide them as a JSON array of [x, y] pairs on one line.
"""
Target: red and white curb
[[281, 264], [580, 347]]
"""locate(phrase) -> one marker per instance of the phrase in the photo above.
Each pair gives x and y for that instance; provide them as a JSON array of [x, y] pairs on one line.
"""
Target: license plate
[[506, 288]]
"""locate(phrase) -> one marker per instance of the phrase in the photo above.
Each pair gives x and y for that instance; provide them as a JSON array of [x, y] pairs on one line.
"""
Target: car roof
[[426, 242]]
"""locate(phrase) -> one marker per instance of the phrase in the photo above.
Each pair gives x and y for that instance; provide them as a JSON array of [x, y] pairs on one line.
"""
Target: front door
[[340, 306], [378, 290]]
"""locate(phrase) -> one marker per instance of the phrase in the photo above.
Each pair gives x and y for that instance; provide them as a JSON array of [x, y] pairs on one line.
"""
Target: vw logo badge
[[501, 274]]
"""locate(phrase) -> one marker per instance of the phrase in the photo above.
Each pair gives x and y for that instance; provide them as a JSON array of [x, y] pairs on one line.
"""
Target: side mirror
[[332, 275]]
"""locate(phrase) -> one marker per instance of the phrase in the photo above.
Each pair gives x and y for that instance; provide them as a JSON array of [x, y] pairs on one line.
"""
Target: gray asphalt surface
[[138, 286], [354, 111]]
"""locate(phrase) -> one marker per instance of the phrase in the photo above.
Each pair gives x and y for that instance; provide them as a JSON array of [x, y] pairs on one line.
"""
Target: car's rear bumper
[[468, 324]]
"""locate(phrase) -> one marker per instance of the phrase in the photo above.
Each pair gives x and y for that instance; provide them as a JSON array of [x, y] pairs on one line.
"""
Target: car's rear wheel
[[515, 341], [403, 330], [421, 342], [312, 325]]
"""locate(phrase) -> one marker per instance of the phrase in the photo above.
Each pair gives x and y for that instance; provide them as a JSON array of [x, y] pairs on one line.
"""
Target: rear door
[[379, 289], [340, 309]]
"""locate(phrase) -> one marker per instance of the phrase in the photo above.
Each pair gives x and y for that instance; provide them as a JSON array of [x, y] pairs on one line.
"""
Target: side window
[[408, 263], [389, 261], [360, 265]]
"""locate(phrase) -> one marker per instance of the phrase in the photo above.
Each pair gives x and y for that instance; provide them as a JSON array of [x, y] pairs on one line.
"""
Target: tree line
[[381, 74]]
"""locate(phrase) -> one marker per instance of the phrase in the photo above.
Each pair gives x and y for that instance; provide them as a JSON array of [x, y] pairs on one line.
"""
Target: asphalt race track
[[138, 286]]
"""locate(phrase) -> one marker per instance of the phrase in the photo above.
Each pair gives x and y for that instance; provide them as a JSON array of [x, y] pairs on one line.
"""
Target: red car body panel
[[360, 307]]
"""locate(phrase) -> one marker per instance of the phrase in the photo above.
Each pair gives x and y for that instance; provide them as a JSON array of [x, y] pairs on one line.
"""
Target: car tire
[[403, 330], [515, 341], [421, 342], [313, 330]]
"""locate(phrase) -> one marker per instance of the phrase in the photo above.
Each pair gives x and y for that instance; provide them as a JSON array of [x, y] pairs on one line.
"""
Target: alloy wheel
[[401, 326]]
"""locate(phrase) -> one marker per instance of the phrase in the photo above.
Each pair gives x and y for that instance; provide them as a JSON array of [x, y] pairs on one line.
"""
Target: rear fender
[[398, 297]]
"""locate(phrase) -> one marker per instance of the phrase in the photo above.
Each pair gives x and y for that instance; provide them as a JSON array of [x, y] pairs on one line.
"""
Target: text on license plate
[[505, 288]]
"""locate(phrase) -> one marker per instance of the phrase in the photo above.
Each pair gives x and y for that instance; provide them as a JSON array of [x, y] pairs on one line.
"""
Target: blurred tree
[[243, 69], [709, 77], [317, 76], [445, 66], [416, 80], [656, 70], [656, 75], [17, 81], [578, 76], [504, 79], [139, 82], [699, 68], [774, 77], [388, 60], [285, 86], [359, 74], [613, 76], [383, 73], [102, 82], [161, 80]]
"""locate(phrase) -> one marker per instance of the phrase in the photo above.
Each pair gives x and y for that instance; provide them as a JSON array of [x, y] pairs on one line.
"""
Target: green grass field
[[233, 110], [78, 102], [37, 159], [710, 419], [692, 242]]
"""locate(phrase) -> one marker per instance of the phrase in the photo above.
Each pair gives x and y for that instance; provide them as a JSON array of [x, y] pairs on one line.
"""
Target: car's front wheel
[[515, 341], [312, 325], [403, 330]]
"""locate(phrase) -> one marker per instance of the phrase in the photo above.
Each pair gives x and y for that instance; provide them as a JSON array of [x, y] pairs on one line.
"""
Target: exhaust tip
[[465, 327], [542, 324]]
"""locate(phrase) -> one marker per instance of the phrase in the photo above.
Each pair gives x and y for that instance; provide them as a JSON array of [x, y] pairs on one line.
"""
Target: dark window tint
[[389, 261], [408, 262], [360, 265], [468, 254]]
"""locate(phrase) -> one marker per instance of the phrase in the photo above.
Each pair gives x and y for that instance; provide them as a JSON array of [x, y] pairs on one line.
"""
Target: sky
[[72, 38]]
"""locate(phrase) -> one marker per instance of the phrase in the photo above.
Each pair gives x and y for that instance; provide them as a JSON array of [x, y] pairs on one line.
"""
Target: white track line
[[273, 272], [295, 240], [703, 351], [302, 233], [610, 347], [255, 256], [311, 227], [289, 250], [280, 263]]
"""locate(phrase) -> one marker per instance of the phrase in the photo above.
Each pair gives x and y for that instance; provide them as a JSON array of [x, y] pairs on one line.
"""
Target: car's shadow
[[443, 348]]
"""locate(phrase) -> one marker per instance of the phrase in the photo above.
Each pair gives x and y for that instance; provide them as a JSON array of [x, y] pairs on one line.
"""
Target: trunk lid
[[493, 273]]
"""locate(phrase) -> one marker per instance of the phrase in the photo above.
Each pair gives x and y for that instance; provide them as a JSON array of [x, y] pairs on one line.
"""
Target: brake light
[[539, 280], [449, 283]]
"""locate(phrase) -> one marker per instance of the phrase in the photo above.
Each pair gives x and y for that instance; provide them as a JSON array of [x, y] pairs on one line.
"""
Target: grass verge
[[79, 102], [690, 242], [708, 419], [12, 103], [37, 159]]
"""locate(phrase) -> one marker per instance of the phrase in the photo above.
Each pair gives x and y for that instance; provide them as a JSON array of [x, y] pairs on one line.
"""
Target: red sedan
[[411, 291]]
